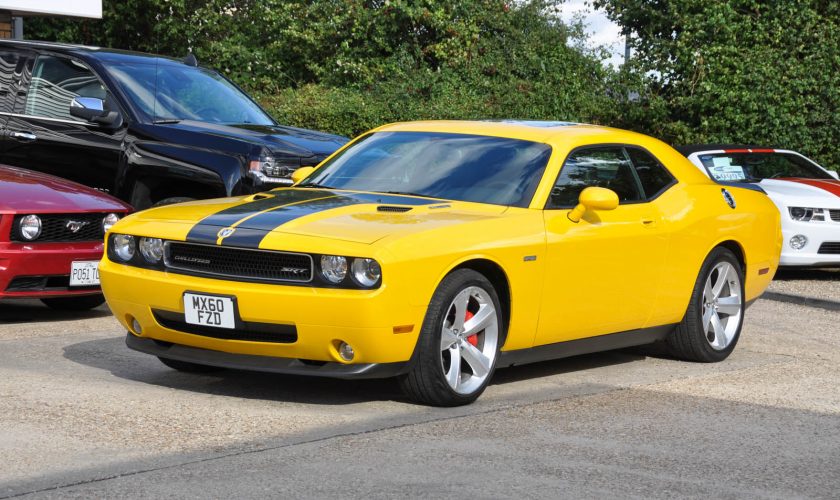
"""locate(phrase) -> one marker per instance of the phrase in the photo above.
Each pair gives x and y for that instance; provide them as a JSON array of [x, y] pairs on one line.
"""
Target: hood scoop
[[392, 208]]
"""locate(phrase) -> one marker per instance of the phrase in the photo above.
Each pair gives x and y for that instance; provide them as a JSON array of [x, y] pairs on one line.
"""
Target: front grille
[[239, 263], [835, 215], [830, 247], [54, 228], [52, 283], [245, 330]]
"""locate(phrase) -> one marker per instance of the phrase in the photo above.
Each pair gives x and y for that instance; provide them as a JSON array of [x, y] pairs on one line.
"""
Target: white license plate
[[209, 310], [84, 273]]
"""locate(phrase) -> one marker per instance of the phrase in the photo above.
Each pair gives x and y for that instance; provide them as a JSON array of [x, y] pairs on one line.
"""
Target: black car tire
[[690, 341], [80, 303], [425, 381], [188, 367]]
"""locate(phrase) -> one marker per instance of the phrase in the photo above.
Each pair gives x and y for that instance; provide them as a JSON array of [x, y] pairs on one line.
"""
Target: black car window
[[9, 78], [654, 177], [55, 82], [606, 167]]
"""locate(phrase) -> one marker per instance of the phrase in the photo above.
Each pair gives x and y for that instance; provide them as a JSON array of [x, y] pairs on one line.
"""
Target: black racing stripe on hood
[[251, 232], [200, 233]]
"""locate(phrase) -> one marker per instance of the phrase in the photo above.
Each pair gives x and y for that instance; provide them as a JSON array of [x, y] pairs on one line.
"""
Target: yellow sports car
[[436, 252]]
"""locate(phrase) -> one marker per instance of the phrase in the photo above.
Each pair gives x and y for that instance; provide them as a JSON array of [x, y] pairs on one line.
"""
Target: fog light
[[798, 242], [345, 351], [136, 329]]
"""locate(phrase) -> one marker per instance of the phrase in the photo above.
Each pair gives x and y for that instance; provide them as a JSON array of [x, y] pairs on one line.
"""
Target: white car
[[807, 195]]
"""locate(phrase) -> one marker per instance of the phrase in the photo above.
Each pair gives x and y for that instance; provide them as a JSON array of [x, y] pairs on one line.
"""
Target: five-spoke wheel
[[712, 323], [459, 343]]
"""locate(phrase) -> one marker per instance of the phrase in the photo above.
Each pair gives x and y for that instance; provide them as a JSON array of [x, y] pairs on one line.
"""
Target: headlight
[[333, 268], [123, 246], [366, 272], [30, 227], [151, 249], [269, 167], [804, 214], [109, 221]]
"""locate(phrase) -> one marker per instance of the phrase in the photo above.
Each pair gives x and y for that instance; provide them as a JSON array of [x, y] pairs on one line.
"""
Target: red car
[[51, 238]]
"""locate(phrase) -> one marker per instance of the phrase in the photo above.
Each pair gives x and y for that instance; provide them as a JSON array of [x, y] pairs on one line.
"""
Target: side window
[[654, 177], [606, 167], [55, 82], [9, 79]]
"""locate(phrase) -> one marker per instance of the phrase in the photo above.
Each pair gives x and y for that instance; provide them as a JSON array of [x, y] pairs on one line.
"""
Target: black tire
[[188, 367], [425, 382], [689, 341], [173, 200], [80, 303]]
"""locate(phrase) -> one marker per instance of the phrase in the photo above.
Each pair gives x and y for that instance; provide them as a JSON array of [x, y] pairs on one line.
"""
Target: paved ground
[[82, 416]]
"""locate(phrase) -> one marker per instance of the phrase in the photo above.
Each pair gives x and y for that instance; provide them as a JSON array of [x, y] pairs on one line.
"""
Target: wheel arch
[[736, 248], [497, 276]]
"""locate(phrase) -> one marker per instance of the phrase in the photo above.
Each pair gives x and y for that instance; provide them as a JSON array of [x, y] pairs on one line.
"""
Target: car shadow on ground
[[33, 311], [114, 357], [812, 274]]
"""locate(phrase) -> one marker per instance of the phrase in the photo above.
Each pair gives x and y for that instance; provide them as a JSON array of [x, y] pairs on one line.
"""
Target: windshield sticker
[[727, 172], [721, 161]]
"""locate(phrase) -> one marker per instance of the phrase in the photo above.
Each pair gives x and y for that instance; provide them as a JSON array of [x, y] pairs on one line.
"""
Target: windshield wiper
[[407, 193], [314, 185], [166, 120]]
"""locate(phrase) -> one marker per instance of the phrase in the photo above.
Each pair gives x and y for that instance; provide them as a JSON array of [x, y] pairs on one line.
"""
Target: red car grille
[[59, 228]]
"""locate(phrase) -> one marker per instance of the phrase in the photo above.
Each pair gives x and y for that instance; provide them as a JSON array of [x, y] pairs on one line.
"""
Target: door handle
[[24, 136], [648, 222]]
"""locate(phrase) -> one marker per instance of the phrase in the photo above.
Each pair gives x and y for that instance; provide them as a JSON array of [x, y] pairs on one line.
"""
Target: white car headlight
[[805, 214], [109, 221], [333, 268], [151, 249], [366, 272], [123, 246], [30, 227]]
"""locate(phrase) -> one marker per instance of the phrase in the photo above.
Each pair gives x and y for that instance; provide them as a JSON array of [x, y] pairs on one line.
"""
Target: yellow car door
[[603, 272]]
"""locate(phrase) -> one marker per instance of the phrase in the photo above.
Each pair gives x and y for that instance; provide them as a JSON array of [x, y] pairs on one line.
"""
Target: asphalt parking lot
[[82, 416]]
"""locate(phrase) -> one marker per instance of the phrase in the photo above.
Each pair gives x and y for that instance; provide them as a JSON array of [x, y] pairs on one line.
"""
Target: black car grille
[[835, 215], [245, 330], [830, 247], [56, 228], [238, 263], [53, 283]]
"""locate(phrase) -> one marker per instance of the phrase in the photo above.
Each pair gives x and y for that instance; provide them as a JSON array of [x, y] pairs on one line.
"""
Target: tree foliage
[[747, 71]]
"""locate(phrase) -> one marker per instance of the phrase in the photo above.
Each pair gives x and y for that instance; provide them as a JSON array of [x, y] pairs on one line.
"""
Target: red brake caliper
[[472, 339]]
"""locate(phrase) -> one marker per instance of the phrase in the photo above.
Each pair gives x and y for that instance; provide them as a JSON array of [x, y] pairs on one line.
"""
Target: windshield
[[170, 92], [460, 167], [757, 166]]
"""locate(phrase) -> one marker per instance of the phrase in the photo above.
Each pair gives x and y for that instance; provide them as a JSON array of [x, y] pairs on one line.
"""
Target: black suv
[[147, 129]]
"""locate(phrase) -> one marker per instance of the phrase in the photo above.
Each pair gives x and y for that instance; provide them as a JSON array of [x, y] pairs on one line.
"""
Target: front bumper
[[263, 363], [44, 260], [320, 318], [817, 234]]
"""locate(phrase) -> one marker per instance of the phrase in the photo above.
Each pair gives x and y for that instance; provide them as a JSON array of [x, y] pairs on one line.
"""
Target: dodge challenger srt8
[[436, 252], [52, 235], [807, 195]]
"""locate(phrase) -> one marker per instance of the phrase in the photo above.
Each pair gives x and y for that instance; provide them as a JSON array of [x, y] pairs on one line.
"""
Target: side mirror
[[594, 198], [94, 110], [833, 173], [301, 174]]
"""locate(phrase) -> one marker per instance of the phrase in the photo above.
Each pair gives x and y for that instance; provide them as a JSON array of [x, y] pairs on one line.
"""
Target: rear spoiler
[[742, 185]]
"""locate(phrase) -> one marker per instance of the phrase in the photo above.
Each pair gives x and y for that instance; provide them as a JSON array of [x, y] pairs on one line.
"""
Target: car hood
[[27, 191], [359, 217], [277, 138], [820, 191]]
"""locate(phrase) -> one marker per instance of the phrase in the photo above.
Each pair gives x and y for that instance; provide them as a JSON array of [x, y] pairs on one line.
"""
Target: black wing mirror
[[94, 110]]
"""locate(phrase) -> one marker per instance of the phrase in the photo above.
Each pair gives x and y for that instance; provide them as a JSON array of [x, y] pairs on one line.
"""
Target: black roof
[[694, 148], [85, 51]]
